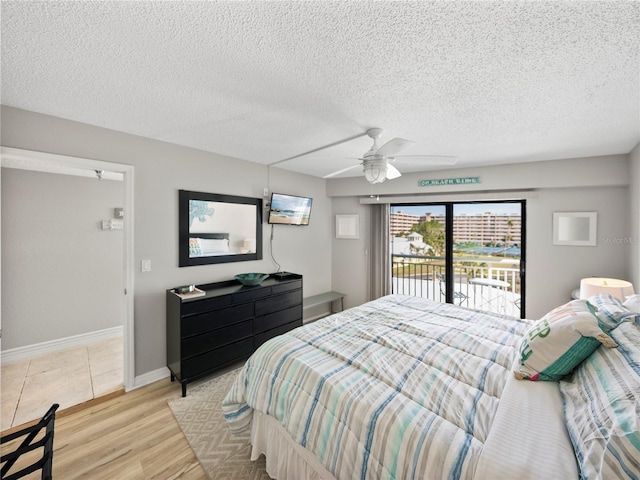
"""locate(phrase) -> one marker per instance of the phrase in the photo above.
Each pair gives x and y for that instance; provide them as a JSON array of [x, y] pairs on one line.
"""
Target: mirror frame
[[184, 196], [561, 237]]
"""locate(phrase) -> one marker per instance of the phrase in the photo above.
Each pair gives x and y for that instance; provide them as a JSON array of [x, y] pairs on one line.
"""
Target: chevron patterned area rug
[[221, 454]]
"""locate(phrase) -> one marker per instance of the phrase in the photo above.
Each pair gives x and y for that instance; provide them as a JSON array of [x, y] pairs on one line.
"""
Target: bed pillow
[[633, 303], [602, 409], [560, 341], [611, 311], [194, 247], [205, 247], [214, 246]]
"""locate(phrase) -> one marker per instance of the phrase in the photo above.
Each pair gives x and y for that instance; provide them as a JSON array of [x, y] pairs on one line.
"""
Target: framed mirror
[[574, 228], [215, 228]]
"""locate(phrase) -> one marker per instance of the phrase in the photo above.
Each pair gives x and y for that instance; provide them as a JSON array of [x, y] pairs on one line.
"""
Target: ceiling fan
[[377, 161]]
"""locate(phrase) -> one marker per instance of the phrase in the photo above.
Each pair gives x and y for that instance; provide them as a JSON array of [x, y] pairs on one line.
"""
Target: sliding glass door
[[418, 246], [465, 253]]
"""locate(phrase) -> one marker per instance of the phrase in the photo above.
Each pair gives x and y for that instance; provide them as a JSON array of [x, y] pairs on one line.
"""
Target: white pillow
[[633, 303], [611, 312], [205, 247], [214, 246]]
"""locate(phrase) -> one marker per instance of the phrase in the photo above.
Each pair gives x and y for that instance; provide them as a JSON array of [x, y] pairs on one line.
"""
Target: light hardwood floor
[[129, 436]]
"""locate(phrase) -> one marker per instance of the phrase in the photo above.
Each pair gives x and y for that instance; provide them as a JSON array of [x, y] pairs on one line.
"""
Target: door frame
[[50, 162], [448, 229], [523, 244]]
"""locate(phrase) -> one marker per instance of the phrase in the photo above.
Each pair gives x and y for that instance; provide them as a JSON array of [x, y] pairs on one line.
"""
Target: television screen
[[289, 209]]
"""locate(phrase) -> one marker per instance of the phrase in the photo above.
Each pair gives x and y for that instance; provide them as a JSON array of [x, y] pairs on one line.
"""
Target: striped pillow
[[602, 408], [611, 312], [633, 303], [560, 341]]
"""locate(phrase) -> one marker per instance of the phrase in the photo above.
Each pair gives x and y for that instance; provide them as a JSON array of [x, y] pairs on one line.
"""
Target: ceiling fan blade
[[392, 147], [333, 174], [427, 159], [392, 172]]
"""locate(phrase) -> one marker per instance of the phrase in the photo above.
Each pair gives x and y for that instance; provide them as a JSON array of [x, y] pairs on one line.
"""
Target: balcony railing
[[491, 285]]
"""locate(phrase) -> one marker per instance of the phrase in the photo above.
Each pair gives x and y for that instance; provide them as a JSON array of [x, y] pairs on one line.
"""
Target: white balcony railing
[[479, 283]]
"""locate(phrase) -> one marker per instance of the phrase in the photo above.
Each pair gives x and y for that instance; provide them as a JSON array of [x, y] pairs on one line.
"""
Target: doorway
[[470, 254], [42, 162]]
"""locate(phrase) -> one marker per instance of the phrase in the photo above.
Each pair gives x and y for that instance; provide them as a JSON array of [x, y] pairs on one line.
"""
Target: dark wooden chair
[[29, 444]]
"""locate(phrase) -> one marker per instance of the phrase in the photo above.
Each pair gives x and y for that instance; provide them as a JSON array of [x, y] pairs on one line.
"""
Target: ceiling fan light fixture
[[377, 161], [375, 171]]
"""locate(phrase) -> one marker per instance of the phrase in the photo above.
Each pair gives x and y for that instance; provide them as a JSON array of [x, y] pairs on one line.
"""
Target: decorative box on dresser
[[228, 323]]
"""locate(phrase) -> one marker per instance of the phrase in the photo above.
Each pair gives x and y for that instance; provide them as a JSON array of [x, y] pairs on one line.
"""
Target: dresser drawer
[[273, 320], [212, 332], [286, 287], [278, 302], [198, 306], [263, 337], [217, 338], [206, 322], [251, 293], [211, 360]]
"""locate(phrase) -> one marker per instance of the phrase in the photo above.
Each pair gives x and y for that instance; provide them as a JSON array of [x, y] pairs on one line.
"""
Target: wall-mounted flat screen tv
[[289, 209]]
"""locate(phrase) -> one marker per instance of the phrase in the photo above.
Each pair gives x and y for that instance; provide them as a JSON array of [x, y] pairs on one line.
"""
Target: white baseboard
[[150, 377], [31, 351]]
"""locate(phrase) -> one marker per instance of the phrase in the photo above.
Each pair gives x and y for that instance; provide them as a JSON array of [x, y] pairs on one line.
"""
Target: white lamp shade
[[594, 285], [249, 244]]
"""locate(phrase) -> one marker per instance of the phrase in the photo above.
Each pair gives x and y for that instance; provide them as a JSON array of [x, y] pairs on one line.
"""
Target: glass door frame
[[449, 278]]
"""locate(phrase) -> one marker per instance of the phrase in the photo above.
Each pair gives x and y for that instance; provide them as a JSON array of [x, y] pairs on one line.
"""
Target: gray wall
[[553, 271], [634, 216], [61, 273], [350, 261], [161, 169], [590, 184]]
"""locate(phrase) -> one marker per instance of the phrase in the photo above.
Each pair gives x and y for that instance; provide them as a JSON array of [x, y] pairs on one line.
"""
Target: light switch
[[113, 224], [116, 224], [145, 265]]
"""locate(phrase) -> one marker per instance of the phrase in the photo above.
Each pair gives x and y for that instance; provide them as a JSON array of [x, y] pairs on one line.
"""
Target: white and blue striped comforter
[[400, 387]]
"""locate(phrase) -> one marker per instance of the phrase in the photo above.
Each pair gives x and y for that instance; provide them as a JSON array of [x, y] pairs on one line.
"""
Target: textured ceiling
[[488, 82]]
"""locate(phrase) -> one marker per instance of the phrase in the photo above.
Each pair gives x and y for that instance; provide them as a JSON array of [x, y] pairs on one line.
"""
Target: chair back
[[29, 444]]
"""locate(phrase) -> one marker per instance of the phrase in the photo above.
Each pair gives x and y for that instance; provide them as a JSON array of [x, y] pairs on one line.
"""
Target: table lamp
[[249, 245], [594, 285]]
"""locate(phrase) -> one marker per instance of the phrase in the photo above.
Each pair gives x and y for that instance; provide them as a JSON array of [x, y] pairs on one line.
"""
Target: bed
[[403, 387], [208, 244]]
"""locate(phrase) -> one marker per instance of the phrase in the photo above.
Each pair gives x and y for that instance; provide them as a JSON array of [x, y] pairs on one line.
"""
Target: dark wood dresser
[[228, 324]]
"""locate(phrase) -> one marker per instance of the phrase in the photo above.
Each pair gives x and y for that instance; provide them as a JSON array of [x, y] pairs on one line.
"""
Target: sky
[[462, 209]]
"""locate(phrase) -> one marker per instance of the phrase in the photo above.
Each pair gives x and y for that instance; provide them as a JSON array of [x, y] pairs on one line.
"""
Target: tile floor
[[67, 377]]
